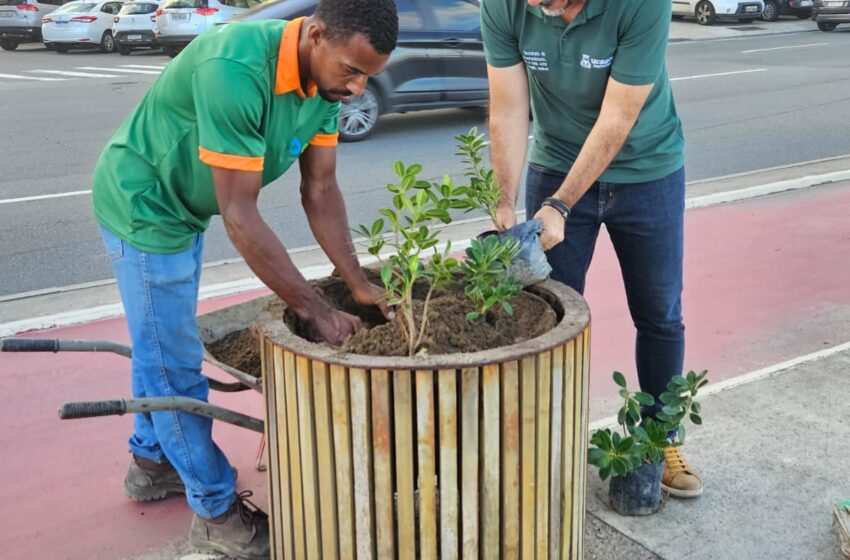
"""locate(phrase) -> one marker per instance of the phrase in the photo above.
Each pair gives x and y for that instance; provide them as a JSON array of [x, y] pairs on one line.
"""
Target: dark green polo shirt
[[232, 99], [568, 68]]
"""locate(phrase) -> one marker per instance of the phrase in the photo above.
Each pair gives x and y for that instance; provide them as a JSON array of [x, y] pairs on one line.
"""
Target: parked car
[[439, 62], [829, 13], [135, 26], [708, 12], [775, 8], [20, 21], [180, 21], [81, 24]]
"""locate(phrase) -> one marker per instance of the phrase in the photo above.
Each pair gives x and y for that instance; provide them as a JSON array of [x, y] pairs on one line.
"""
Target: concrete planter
[[479, 455]]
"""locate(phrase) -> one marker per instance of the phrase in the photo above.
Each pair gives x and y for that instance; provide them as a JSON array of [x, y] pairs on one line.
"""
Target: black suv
[[439, 61], [775, 8], [829, 13]]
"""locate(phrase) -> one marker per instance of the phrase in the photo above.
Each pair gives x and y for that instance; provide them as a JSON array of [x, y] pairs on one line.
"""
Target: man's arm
[[325, 209], [508, 135], [617, 116], [236, 193]]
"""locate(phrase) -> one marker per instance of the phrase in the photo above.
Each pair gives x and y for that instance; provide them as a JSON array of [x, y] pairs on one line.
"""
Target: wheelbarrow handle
[[74, 410], [55, 345]]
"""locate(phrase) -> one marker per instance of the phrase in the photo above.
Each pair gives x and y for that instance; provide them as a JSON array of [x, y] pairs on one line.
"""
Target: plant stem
[[424, 316]]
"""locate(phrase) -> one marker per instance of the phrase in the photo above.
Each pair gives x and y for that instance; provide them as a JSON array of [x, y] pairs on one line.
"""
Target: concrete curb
[[92, 301]]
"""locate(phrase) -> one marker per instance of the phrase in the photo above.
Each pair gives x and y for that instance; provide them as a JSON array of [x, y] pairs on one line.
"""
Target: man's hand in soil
[[553, 227], [366, 293], [333, 326]]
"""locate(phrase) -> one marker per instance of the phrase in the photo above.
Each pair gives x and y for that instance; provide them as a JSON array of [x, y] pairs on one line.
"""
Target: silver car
[[180, 21], [20, 21]]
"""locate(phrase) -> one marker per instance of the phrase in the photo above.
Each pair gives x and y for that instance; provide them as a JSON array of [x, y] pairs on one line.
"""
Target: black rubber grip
[[29, 345], [70, 411]]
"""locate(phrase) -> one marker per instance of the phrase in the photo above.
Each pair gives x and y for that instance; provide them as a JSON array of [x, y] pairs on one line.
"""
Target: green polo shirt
[[568, 68], [232, 99]]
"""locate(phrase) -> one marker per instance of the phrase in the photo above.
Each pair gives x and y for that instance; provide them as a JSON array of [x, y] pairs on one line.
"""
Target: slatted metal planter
[[479, 455]]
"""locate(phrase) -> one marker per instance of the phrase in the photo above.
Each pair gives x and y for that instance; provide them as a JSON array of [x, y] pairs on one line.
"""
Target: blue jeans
[[160, 297], [645, 223]]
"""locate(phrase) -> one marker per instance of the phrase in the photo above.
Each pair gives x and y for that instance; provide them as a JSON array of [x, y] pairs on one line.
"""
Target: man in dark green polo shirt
[[607, 149], [229, 115]]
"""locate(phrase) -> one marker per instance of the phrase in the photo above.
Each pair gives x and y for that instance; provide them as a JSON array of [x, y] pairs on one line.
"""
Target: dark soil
[[448, 330], [240, 350]]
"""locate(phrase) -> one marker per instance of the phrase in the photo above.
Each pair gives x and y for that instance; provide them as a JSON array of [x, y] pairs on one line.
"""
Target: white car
[[135, 26], [708, 12], [180, 21], [81, 24], [20, 21]]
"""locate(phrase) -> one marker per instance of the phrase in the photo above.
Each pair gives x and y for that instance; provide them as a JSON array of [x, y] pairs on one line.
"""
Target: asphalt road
[[746, 104]]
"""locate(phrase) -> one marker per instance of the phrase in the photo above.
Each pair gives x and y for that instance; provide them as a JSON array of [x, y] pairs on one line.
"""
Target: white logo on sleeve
[[588, 62]]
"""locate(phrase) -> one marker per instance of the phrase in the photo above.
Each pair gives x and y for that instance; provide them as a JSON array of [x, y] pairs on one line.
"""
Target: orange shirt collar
[[288, 76]]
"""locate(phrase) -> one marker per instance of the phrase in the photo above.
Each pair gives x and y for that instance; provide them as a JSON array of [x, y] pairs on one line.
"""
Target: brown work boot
[[147, 481], [679, 479], [241, 533]]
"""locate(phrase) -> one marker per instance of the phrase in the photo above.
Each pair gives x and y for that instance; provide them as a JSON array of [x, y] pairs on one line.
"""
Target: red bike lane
[[766, 280]]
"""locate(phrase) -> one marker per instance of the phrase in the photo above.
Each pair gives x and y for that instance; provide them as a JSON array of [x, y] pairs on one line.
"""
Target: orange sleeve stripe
[[229, 161], [325, 140]]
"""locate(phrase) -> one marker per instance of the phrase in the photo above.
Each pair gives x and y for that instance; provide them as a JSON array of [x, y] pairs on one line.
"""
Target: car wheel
[[8, 44], [170, 50], [107, 42], [771, 11], [60, 48], [705, 13], [826, 26], [124, 50], [358, 117]]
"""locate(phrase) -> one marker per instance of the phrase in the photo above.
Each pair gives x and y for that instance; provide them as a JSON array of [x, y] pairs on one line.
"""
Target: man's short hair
[[376, 19]]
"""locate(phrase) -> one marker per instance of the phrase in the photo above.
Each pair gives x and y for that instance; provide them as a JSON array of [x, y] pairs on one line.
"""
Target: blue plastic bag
[[531, 266]]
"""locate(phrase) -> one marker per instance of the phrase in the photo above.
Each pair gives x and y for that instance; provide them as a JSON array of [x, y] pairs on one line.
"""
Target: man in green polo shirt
[[231, 114], [607, 149]]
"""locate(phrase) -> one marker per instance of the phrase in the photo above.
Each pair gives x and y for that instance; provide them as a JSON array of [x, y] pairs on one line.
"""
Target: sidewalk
[[766, 282], [690, 30]]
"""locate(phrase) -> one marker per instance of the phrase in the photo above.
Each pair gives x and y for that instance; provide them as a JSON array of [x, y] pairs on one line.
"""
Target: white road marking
[[76, 74], [117, 70], [786, 47], [719, 74], [43, 196], [143, 67], [36, 78]]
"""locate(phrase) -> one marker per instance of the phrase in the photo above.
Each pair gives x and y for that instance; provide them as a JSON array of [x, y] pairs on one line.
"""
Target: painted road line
[[43, 196], [100, 68], [75, 74], [719, 74], [786, 47], [766, 189], [34, 78], [737, 381], [143, 66]]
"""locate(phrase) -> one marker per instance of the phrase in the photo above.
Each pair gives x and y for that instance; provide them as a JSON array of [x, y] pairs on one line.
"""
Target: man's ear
[[316, 32]]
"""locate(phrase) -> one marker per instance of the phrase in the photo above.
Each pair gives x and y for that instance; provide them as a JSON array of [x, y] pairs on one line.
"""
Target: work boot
[[147, 480], [679, 479], [241, 533]]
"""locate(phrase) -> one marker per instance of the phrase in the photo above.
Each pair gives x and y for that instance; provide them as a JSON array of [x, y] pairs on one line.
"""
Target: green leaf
[[386, 274], [620, 379], [681, 435], [377, 227], [472, 315], [398, 168], [414, 169], [695, 406], [507, 307], [625, 445], [644, 398], [696, 419]]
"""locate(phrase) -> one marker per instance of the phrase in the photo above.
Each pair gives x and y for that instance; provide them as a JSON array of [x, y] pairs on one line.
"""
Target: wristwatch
[[558, 205]]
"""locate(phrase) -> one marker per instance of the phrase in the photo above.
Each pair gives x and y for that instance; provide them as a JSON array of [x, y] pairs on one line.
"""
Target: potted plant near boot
[[458, 428], [633, 457]]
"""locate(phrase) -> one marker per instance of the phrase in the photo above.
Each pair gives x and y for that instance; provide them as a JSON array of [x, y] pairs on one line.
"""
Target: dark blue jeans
[[645, 223]]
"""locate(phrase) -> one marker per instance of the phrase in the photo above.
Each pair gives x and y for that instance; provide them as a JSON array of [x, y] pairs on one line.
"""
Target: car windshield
[[184, 4], [137, 8], [75, 8]]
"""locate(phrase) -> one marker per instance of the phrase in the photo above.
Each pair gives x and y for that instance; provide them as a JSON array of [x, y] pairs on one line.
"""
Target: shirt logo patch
[[536, 60], [588, 62], [295, 147]]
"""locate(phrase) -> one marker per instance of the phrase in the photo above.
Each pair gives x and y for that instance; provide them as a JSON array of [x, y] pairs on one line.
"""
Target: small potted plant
[[633, 457]]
